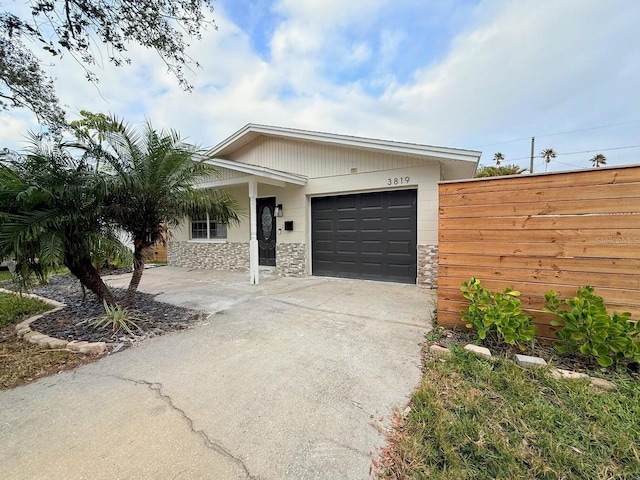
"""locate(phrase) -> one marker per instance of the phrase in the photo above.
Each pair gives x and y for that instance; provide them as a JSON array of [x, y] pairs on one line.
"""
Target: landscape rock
[[528, 361], [438, 350], [33, 337], [23, 331], [75, 345], [559, 373], [75, 321], [56, 343], [478, 350], [26, 323], [93, 348], [602, 383]]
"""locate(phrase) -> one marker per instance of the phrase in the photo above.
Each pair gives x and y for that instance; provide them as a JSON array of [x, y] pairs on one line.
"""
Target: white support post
[[253, 242]]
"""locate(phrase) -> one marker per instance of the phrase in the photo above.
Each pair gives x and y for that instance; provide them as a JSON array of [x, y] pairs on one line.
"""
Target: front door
[[266, 231]]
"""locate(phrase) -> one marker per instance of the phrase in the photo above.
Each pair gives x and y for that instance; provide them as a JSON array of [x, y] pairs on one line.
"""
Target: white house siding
[[329, 172], [315, 160]]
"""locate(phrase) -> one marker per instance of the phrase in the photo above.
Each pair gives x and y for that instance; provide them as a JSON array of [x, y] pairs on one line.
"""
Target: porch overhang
[[252, 172], [251, 176]]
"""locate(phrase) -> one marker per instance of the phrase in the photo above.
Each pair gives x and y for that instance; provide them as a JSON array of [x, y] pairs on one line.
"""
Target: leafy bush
[[118, 318], [496, 314], [587, 327]]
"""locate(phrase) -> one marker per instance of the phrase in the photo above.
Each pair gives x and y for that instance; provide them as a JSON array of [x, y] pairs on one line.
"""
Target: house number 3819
[[398, 180]]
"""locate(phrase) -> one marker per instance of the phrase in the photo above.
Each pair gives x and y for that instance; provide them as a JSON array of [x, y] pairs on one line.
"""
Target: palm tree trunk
[[139, 259], [89, 277]]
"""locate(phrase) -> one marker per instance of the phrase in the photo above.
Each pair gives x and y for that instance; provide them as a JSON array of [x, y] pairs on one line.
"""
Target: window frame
[[208, 228]]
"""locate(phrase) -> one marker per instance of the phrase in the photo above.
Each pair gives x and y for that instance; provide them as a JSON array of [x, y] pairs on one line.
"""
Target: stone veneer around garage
[[291, 259], [219, 256], [428, 266]]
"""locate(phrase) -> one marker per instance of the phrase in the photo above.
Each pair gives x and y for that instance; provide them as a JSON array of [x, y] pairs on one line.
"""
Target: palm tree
[[598, 160], [155, 175], [547, 154], [52, 214], [498, 157]]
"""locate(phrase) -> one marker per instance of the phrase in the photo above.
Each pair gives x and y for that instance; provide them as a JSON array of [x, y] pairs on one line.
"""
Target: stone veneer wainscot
[[232, 256], [291, 259], [428, 266]]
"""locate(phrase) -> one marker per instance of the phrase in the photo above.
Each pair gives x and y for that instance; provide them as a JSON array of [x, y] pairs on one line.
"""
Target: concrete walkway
[[290, 379]]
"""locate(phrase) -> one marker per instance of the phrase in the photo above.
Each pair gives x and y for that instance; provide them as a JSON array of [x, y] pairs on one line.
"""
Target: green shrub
[[118, 318], [496, 314], [587, 327]]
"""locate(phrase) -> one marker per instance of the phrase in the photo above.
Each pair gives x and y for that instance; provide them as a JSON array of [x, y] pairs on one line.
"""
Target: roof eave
[[251, 131]]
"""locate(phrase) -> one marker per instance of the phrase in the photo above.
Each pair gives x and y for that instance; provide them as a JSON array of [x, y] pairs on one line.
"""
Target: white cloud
[[516, 69]]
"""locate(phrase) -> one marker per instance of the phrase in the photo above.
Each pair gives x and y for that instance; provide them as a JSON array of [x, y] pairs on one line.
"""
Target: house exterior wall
[[315, 160], [330, 171]]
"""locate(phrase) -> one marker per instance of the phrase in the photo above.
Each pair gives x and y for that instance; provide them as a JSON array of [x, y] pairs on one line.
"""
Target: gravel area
[[74, 322]]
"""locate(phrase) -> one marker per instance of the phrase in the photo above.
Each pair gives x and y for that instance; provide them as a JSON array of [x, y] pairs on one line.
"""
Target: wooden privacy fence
[[543, 232]]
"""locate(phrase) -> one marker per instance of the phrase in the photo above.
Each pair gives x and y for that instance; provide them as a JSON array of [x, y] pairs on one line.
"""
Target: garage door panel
[[346, 225], [346, 247], [399, 247], [369, 236], [370, 247]]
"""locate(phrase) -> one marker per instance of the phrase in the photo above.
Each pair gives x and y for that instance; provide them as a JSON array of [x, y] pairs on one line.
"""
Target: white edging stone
[[559, 373], [529, 361], [438, 350], [23, 330], [478, 350]]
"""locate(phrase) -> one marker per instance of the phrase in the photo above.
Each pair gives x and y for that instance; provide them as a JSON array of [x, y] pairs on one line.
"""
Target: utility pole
[[533, 142]]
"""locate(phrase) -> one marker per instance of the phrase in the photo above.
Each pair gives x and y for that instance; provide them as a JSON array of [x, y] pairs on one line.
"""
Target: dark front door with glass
[[266, 231]]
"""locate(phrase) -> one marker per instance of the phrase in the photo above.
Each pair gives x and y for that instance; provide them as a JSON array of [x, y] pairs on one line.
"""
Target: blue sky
[[483, 74]]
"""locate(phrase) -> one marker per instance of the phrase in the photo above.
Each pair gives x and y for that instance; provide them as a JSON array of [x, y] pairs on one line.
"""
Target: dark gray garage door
[[368, 235]]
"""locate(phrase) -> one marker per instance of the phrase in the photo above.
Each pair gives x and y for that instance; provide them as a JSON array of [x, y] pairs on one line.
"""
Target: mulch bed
[[74, 322]]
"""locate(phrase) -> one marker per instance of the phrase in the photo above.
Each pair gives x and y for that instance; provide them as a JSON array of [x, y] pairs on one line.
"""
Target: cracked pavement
[[290, 379]]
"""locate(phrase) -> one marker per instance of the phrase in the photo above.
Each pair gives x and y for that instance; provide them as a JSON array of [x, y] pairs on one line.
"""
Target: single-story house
[[324, 204]]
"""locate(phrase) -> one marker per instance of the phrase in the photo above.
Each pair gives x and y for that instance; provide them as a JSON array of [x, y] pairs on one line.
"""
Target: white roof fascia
[[442, 153], [258, 171]]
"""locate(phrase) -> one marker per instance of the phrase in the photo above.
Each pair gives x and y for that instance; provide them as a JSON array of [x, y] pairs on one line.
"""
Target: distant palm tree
[[547, 154], [498, 157], [598, 160]]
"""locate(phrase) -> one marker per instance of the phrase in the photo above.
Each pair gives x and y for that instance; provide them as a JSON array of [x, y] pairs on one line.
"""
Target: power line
[[568, 164], [559, 133], [581, 151], [571, 153]]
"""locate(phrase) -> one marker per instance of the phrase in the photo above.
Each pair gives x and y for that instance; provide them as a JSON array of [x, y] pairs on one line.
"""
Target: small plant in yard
[[434, 334], [587, 327], [118, 318], [496, 315]]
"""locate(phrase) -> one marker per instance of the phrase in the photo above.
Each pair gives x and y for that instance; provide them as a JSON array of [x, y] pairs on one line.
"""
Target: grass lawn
[[14, 308], [5, 276], [21, 362], [473, 418]]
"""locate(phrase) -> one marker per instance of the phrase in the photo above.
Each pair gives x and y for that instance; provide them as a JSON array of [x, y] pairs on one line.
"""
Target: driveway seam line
[[353, 315], [156, 387]]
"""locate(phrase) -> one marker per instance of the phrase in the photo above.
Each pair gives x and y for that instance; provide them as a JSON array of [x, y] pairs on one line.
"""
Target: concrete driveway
[[290, 379]]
